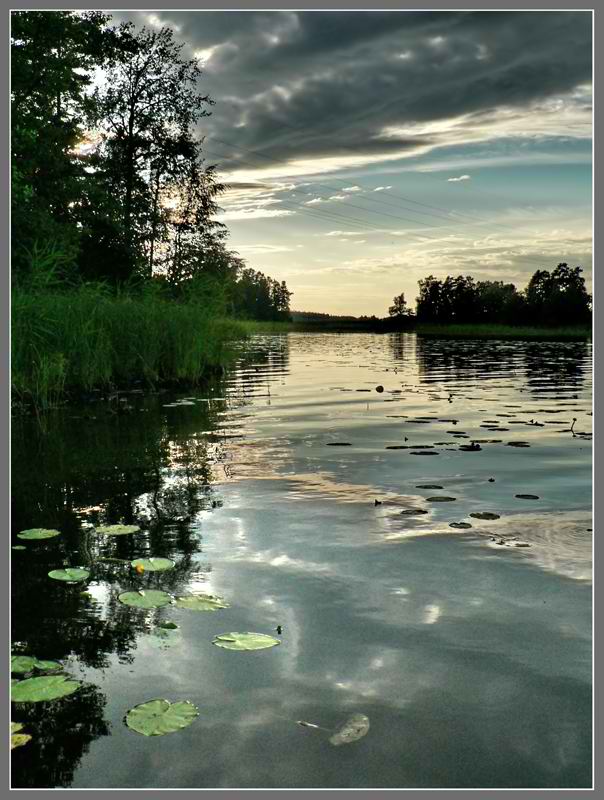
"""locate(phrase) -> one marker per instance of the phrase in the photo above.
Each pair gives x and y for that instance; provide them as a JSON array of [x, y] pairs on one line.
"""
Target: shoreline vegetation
[[475, 331]]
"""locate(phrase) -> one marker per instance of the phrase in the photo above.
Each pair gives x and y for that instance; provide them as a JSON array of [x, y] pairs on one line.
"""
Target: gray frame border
[[335, 5]]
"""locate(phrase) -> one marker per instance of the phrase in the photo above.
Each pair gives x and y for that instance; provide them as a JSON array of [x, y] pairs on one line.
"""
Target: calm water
[[470, 656]]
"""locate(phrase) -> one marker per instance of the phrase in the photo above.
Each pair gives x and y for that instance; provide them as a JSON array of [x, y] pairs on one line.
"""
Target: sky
[[367, 150]]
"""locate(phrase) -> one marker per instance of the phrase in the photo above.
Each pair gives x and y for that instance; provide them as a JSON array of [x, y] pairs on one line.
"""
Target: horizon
[[394, 145]]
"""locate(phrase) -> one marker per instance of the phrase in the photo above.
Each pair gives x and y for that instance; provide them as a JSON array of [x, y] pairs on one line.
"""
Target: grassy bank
[[87, 338], [503, 332], [449, 331]]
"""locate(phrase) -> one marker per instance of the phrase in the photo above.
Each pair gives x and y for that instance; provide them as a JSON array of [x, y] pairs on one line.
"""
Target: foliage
[[158, 717], [557, 298]]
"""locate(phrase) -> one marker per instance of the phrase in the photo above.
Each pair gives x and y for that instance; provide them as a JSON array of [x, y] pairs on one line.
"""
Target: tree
[[399, 306], [559, 297], [53, 55], [146, 111]]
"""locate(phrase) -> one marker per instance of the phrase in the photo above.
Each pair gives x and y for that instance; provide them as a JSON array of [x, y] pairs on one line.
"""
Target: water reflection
[[473, 663]]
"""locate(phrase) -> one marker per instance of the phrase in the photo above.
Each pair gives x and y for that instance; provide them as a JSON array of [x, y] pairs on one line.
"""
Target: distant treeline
[[109, 181], [557, 298]]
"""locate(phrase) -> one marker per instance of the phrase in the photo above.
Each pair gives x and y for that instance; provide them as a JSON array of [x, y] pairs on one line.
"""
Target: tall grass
[[88, 338]]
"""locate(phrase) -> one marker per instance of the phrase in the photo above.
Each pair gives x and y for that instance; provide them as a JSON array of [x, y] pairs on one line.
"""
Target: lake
[[312, 502]]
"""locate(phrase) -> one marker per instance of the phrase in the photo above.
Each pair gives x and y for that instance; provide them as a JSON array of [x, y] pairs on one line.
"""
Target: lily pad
[[46, 687], [485, 515], [117, 530], [528, 496], [459, 525], [429, 486], [338, 444], [149, 598], [38, 533], [158, 717], [245, 641], [29, 663], [48, 666], [18, 739], [22, 663], [201, 602], [153, 564], [19, 547], [414, 511], [168, 625], [424, 453], [440, 499], [69, 574], [517, 444], [353, 729]]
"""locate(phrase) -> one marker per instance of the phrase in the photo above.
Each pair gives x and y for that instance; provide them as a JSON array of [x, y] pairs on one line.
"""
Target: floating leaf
[[38, 533], [69, 574], [150, 598], [413, 511], [18, 739], [153, 564], [117, 530], [517, 444], [459, 525], [46, 687], [440, 499], [48, 666], [22, 663], [245, 641], [485, 515], [339, 444], [28, 663], [424, 453], [168, 625], [353, 729], [528, 496], [429, 486], [201, 602], [19, 547], [158, 717]]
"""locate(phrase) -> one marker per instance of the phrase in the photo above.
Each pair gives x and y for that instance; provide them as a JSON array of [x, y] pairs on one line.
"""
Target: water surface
[[469, 654]]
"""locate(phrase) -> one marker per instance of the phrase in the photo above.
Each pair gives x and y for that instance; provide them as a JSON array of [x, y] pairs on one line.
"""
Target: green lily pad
[[153, 564], [46, 687], [19, 547], [48, 666], [29, 663], [158, 717], [440, 499], [22, 663], [485, 515], [414, 511], [245, 641], [353, 729], [459, 525], [38, 533], [201, 602], [149, 598], [117, 530], [18, 739], [168, 625], [69, 574], [429, 486], [528, 496]]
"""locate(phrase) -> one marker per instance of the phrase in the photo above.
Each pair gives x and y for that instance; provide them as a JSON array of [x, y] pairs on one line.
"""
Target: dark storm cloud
[[299, 84]]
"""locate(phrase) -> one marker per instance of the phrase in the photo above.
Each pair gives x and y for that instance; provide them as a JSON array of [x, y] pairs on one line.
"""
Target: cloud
[[352, 189], [381, 188], [460, 178], [326, 89]]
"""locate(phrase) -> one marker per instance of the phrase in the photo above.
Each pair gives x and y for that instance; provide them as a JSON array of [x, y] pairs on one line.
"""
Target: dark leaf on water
[[352, 730]]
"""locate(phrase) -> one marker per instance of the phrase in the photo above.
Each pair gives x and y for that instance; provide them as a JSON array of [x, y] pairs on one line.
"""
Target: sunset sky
[[366, 150]]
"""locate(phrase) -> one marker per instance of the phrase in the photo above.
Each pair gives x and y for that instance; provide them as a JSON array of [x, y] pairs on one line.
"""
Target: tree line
[[108, 178], [556, 298]]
